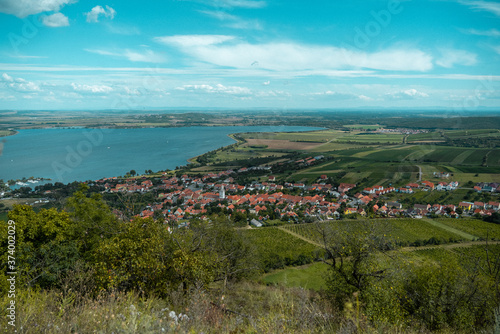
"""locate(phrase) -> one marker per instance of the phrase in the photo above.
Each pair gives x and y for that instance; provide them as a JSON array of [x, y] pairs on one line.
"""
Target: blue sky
[[73, 55]]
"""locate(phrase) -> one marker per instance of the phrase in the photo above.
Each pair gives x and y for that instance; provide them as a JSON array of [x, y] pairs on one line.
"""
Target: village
[[182, 197]]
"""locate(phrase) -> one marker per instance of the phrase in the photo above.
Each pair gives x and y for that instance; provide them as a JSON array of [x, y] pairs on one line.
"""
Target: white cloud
[[266, 83], [7, 78], [282, 56], [241, 3], [23, 8], [233, 21], [188, 41], [218, 89], [55, 20], [450, 57], [336, 95], [96, 89], [122, 29], [493, 7], [489, 33], [407, 94], [496, 48], [147, 56], [93, 15], [251, 4], [365, 98], [19, 84]]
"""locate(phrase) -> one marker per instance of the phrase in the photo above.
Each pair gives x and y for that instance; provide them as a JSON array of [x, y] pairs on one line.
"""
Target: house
[[405, 190], [493, 205], [479, 205], [369, 191], [271, 178], [349, 211], [465, 205], [428, 185], [393, 205], [422, 207], [477, 188], [343, 187]]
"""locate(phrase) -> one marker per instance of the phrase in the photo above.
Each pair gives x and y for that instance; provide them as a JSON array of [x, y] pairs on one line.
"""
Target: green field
[[403, 232], [308, 277], [372, 138], [279, 249], [476, 227], [309, 136], [363, 126]]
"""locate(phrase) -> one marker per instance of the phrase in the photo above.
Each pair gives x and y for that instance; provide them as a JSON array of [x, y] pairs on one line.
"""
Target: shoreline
[[12, 133], [231, 135]]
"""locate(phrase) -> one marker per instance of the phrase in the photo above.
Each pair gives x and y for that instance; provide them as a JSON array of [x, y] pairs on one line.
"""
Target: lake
[[67, 155]]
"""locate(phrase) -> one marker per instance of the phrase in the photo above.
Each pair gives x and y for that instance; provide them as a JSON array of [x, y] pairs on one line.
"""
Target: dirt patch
[[274, 144]]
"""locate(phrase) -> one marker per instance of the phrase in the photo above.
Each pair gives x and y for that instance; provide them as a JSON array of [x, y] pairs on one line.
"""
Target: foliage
[[350, 255], [277, 249]]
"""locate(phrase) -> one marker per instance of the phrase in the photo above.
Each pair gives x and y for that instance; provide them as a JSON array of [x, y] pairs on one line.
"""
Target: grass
[[475, 227], [253, 309], [363, 126], [403, 231], [4, 133], [308, 277], [372, 138]]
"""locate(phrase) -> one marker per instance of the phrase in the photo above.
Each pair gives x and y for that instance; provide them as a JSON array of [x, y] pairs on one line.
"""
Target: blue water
[[67, 155]]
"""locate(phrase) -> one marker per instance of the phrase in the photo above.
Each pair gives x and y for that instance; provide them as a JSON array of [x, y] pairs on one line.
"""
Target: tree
[[132, 172], [45, 250], [350, 254]]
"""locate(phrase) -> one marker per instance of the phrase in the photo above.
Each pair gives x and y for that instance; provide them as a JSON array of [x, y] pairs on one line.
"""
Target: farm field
[[279, 249], [403, 232], [363, 126], [476, 227], [372, 138]]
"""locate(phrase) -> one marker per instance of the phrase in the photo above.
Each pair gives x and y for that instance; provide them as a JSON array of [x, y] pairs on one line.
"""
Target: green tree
[[45, 250], [350, 255]]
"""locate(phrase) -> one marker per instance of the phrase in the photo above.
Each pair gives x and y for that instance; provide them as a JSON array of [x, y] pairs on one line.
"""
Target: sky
[[279, 54]]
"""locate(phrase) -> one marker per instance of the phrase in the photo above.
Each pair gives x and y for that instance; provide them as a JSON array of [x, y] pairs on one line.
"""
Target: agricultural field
[[426, 137], [372, 138], [363, 126], [457, 134], [481, 229], [321, 136], [403, 232], [279, 249]]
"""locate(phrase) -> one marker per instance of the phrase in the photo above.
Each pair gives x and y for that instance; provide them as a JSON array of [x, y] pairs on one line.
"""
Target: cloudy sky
[[70, 54]]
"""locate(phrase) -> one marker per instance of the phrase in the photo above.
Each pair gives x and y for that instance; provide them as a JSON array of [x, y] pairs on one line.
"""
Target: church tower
[[222, 193]]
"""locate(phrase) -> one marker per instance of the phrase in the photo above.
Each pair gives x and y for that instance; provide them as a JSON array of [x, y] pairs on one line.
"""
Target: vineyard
[[479, 228], [278, 249], [402, 232], [468, 258]]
